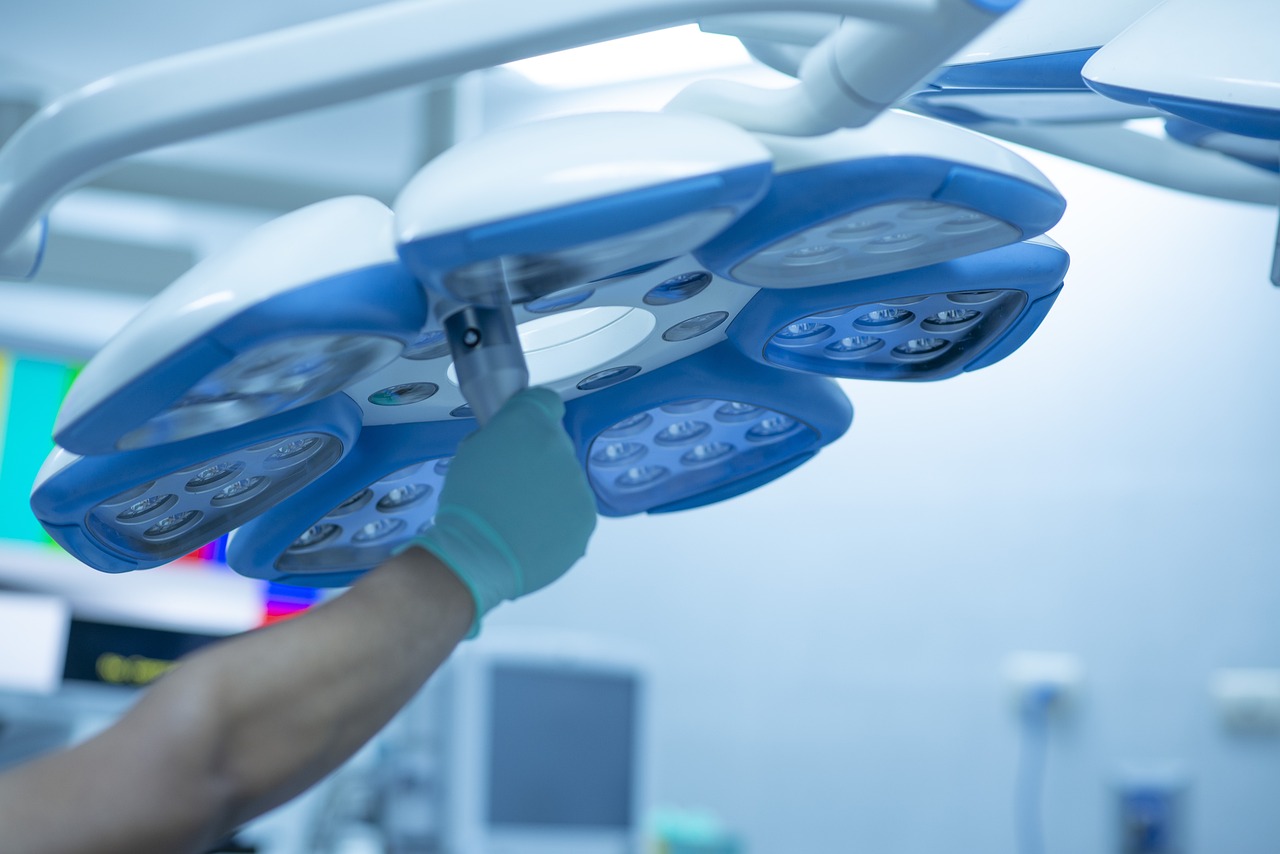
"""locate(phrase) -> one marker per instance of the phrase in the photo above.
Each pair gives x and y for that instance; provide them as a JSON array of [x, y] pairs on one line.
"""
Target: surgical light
[[700, 430], [299, 309], [137, 509], [1211, 63], [1260, 153], [375, 501], [904, 192], [924, 324]]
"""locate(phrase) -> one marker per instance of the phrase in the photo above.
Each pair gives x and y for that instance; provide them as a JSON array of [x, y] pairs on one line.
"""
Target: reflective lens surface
[[879, 239], [264, 381]]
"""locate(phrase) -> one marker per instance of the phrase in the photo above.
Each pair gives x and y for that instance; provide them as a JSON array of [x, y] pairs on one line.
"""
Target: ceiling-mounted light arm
[[851, 75], [323, 63]]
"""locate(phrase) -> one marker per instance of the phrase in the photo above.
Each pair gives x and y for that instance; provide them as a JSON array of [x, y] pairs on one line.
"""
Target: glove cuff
[[477, 555]]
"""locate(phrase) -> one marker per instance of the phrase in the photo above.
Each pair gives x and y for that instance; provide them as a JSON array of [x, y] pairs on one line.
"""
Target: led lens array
[[679, 450], [263, 381], [370, 525], [916, 337], [879, 239], [177, 513]]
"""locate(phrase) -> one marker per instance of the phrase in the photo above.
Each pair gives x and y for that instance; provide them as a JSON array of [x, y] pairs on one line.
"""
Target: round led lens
[[405, 393], [628, 426], [172, 525], [352, 504], [241, 490], [899, 241], [854, 346], [707, 453], [292, 450], [678, 289], [809, 255], [640, 476], [772, 427], [968, 223], [684, 407], [682, 433], [608, 377], [926, 210], [694, 326], [403, 496], [619, 453], [442, 466], [918, 348], [149, 506], [557, 302], [952, 317], [974, 297], [376, 530], [212, 475], [884, 318], [803, 332], [734, 412], [858, 229], [314, 536], [432, 345]]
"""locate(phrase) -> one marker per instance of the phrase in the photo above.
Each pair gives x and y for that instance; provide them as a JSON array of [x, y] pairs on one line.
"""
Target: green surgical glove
[[515, 511]]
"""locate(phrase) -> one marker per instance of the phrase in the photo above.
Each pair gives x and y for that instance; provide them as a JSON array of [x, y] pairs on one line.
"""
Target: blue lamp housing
[[706, 428], [929, 323], [381, 496], [870, 216], [138, 509]]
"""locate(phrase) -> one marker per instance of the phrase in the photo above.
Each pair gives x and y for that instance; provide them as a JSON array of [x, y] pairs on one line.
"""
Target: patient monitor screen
[[561, 748]]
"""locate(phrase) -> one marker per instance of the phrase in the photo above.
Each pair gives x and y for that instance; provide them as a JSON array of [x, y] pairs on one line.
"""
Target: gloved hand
[[515, 511]]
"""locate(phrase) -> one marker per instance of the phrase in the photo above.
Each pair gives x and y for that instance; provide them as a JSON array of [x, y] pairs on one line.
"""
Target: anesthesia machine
[[691, 281]]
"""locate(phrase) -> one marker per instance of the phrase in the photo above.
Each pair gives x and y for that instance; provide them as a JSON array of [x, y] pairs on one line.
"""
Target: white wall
[[828, 647]]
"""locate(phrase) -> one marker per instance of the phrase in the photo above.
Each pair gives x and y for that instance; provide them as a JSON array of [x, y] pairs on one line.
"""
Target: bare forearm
[[244, 725], [296, 700]]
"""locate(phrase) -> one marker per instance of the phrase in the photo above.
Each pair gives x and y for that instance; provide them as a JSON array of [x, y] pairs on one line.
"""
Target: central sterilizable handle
[[486, 355]]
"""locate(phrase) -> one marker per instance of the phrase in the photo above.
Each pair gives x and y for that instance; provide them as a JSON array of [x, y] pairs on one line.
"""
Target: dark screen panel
[[562, 748]]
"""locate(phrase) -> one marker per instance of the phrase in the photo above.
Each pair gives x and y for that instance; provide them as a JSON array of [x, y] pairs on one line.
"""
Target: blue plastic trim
[[381, 450], [1035, 269], [805, 197], [1256, 122], [383, 300], [718, 372], [1048, 72], [998, 7], [583, 222], [63, 503], [1018, 333], [738, 487]]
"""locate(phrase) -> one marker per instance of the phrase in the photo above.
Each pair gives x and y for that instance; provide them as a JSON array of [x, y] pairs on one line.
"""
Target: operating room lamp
[[630, 249]]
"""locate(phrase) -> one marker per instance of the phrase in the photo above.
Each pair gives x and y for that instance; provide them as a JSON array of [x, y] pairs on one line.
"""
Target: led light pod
[[353, 518], [925, 324], [1026, 69], [138, 509], [706, 428], [904, 192], [1215, 64], [555, 204], [297, 310]]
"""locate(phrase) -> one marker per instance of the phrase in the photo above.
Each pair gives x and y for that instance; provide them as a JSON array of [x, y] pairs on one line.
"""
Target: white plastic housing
[[317, 242], [901, 134], [1040, 27], [1052, 677], [1224, 52], [547, 165]]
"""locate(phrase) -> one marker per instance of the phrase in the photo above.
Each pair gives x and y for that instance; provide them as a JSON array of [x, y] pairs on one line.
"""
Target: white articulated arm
[[852, 75], [328, 62]]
